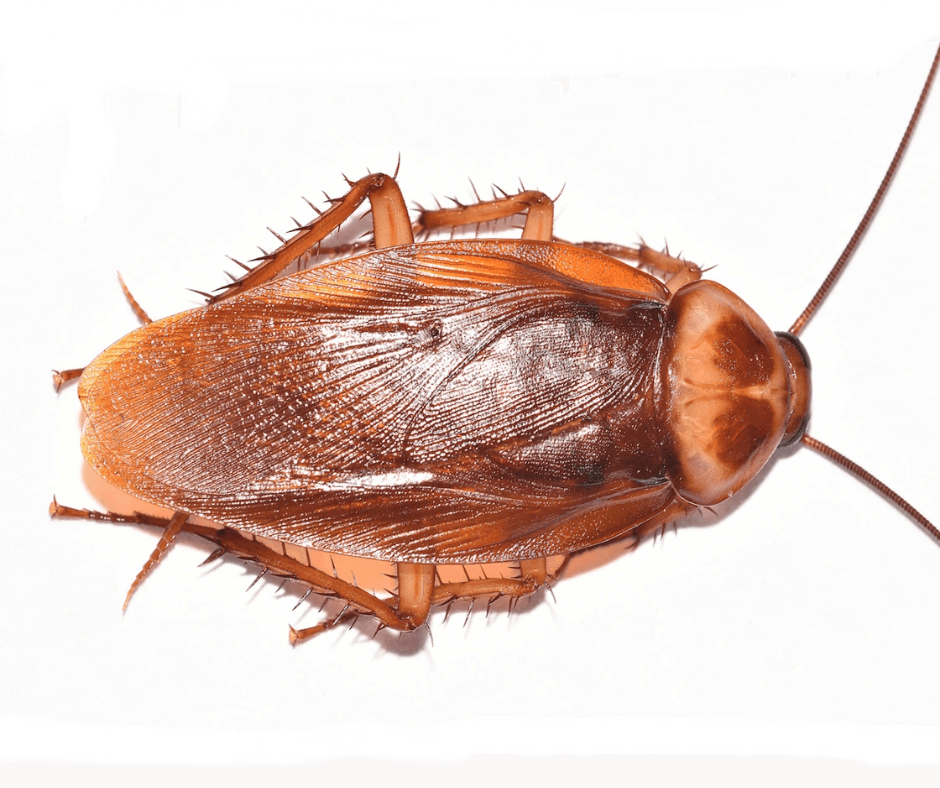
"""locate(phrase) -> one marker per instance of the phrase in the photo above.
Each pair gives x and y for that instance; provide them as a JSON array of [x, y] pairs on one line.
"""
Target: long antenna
[[871, 481], [846, 255], [823, 291]]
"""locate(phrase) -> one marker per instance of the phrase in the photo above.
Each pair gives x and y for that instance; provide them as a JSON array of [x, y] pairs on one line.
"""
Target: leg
[[171, 528], [415, 587], [169, 534], [418, 589], [407, 611], [657, 524], [391, 224], [682, 271], [535, 569], [142, 316], [60, 377], [539, 209], [231, 541], [65, 375], [490, 587]]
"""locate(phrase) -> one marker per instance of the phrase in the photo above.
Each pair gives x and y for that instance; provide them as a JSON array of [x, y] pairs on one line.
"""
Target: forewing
[[315, 409]]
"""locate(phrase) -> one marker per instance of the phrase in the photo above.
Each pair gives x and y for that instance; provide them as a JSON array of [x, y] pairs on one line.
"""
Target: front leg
[[681, 271]]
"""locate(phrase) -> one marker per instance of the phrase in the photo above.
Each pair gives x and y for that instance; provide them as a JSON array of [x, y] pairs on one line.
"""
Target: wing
[[438, 402]]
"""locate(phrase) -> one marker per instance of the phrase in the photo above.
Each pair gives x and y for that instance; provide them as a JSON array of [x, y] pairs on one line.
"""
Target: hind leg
[[390, 221], [418, 588]]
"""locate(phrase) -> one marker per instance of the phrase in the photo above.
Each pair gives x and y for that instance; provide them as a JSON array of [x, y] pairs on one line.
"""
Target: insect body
[[443, 403]]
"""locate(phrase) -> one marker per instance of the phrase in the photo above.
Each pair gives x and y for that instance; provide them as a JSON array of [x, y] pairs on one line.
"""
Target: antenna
[[826, 286], [873, 482], [846, 255]]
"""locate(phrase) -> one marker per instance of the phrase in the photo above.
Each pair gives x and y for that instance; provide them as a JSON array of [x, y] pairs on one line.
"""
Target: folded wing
[[440, 402]]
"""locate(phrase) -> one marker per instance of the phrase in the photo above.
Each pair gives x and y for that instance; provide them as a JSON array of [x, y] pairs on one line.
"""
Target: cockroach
[[450, 402]]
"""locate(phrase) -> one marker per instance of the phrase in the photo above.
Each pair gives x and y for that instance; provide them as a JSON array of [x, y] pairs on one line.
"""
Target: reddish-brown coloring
[[445, 402]]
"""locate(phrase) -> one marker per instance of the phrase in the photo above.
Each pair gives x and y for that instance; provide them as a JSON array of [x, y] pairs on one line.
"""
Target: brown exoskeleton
[[450, 402]]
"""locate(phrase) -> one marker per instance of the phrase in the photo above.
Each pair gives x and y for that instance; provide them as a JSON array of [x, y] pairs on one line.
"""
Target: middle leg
[[537, 206]]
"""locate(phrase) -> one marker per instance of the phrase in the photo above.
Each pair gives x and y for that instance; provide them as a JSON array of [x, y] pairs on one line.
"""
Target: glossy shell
[[435, 402], [448, 402]]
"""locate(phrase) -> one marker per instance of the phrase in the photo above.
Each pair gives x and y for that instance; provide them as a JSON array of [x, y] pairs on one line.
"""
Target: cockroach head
[[800, 387]]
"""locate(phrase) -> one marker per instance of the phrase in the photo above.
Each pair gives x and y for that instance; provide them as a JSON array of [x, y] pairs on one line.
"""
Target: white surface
[[803, 624]]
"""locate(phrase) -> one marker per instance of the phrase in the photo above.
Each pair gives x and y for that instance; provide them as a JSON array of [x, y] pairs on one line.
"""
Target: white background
[[795, 639]]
